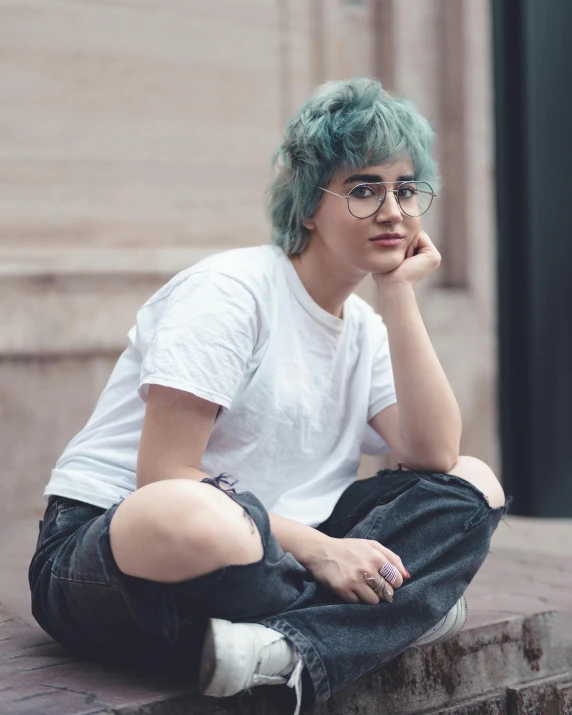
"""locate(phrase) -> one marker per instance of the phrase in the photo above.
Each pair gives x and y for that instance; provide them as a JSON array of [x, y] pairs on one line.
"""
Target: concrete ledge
[[80, 302], [58, 262], [516, 666], [514, 656]]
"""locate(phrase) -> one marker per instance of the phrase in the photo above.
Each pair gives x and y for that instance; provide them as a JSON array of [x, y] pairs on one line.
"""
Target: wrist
[[314, 549], [392, 294], [303, 542]]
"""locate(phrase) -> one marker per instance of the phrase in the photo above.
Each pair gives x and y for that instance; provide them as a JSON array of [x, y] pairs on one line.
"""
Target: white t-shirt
[[296, 386]]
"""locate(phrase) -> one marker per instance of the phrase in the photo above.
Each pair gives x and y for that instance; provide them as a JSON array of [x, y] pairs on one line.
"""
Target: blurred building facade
[[123, 124]]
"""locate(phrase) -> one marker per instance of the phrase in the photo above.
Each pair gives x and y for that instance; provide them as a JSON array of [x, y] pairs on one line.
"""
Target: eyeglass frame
[[393, 191]]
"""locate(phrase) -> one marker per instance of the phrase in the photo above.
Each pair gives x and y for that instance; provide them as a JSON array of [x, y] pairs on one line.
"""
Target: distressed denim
[[439, 524]]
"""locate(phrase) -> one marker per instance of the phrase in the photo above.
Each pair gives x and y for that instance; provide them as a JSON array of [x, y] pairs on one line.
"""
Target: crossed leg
[[481, 476]]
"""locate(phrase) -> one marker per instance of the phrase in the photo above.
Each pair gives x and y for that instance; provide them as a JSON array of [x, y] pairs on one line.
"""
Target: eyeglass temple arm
[[342, 196]]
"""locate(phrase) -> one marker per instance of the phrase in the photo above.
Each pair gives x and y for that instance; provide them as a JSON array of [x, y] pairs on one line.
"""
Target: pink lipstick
[[387, 239]]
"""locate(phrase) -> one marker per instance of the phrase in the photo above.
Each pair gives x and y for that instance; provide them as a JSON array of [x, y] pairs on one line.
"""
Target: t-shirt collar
[[304, 298]]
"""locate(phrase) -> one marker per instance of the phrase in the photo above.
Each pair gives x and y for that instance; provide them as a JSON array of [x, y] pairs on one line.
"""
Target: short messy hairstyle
[[350, 123]]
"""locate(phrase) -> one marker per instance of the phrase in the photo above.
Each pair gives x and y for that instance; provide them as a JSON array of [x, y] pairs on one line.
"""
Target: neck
[[328, 283]]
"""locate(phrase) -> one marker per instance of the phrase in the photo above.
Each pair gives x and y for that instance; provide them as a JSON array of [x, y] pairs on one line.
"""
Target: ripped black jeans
[[439, 524]]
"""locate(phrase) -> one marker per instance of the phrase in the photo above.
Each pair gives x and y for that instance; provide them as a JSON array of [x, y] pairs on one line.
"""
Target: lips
[[386, 237]]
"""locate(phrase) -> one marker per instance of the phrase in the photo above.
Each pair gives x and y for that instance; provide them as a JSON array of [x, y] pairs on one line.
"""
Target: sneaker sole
[[208, 660], [453, 624]]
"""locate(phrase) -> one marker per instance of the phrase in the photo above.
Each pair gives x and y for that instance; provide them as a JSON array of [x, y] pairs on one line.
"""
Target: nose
[[390, 211]]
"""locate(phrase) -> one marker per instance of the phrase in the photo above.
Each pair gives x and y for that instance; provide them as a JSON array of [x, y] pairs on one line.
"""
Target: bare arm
[[174, 437], [426, 431], [175, 434]]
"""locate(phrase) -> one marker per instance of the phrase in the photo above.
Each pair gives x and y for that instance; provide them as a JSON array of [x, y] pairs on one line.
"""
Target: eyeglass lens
[[414, 198]]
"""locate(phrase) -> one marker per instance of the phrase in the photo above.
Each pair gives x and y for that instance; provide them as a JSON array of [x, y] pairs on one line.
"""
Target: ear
[[309, 223]]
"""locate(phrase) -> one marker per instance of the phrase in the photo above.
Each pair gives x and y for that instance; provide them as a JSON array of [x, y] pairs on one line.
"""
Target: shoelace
[[295, 682], [286, 652], [280, 651]]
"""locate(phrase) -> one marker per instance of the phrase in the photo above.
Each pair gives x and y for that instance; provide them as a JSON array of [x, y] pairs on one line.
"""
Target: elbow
[[433, 454], [448, 454], [446, 465], [440, 462], [447, 458]]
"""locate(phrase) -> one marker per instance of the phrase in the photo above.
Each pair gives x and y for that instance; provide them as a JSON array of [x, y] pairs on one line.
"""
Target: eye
[[407, 192], [363, 191]]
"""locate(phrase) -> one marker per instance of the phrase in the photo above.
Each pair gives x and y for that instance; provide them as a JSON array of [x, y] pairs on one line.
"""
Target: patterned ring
[[389, 572], [368, 579], [385, 592]]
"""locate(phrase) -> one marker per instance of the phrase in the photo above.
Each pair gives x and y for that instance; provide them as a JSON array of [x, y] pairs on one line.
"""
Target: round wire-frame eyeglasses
[[428, 194]]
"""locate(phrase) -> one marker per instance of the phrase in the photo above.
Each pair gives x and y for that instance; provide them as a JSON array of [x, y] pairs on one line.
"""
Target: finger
[[389, 588], [379, 591], [366, 594], [350, 596], [422, 241], [390, 556], [389, 572]]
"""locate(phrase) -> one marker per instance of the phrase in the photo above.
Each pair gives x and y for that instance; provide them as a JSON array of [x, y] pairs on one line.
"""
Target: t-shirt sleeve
[[203, 339], [382, 390]]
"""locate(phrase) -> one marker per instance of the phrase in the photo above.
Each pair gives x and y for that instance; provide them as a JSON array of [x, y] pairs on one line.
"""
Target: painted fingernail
[[407, 572]]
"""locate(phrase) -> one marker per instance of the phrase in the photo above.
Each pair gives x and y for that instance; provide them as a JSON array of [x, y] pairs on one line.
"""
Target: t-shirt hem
[[102, 503], [215, 397], [380, 406]]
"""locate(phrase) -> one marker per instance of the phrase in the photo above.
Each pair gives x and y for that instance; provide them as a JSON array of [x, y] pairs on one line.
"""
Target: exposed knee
[[481, 476], [175, 530]]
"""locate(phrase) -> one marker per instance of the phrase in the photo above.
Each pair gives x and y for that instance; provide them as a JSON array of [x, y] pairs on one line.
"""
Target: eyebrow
[[376, 178]]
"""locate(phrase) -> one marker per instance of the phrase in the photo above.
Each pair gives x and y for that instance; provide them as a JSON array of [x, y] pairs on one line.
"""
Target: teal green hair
[[350, 123]]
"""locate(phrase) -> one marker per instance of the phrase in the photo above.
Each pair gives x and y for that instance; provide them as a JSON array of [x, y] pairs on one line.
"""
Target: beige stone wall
[[136, 138], [134, 124]]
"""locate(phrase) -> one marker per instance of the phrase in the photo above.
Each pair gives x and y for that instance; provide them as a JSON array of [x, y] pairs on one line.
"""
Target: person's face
[[348, 238]]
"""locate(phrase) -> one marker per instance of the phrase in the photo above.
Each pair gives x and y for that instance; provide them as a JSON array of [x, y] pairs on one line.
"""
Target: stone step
[[544, 696], [502, 660], [517, 666]]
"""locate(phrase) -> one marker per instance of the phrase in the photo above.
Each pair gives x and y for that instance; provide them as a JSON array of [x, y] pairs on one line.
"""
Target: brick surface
[[491, 705], [564, 691], [37, 676], [44, 700], [540, 697]]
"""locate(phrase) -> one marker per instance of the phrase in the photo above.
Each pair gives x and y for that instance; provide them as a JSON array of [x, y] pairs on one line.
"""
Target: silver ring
[[367, 578], [387, 593]]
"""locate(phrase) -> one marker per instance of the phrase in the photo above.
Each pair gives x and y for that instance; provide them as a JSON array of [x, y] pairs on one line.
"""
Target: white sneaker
[[451, 624], [237, 656]]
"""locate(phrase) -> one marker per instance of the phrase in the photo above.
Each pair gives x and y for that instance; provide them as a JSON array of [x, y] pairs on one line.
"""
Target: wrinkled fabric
[[439, 524], [296, 386]]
